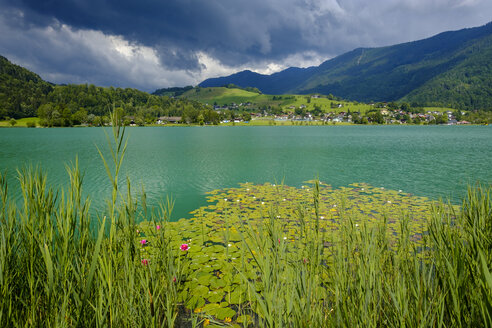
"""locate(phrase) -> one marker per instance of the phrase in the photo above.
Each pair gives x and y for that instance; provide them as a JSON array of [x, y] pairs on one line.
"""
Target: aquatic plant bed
[[244, 257]]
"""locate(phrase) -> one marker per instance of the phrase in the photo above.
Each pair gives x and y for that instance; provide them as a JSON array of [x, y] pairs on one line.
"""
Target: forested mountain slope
[[451, 68]]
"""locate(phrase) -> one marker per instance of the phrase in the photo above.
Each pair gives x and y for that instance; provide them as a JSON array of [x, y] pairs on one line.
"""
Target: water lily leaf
[[195, 302], [215, 297], [183, 295], [216, 283], [210, 308], [223, 313], [236, 297], [201, 291], [205, 279]]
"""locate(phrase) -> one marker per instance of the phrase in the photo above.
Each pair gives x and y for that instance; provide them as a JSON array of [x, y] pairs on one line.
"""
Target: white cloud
[[212, 38], [61, 54]]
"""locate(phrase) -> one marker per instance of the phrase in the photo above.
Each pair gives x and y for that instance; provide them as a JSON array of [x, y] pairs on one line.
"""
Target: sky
[[151, 44]]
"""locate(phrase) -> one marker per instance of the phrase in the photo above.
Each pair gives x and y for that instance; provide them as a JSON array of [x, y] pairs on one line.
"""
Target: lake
[[187, 162]]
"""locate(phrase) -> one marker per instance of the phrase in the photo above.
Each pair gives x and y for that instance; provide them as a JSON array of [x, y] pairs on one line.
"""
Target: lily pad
[[223, 313]]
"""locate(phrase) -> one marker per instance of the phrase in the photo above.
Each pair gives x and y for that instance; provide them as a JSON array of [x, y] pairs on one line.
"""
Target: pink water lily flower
[[184, 247], [143, 242]]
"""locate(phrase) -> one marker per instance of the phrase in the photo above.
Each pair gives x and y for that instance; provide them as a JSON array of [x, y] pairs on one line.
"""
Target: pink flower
[[158, 227], [174, 279], [143, 242], [184, 247], [145, 262]]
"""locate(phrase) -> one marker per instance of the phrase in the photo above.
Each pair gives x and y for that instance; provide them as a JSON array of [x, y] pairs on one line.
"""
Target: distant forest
[[25, 94]]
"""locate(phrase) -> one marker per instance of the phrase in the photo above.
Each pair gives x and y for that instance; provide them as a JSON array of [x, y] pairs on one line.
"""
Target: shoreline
[[264, 123]]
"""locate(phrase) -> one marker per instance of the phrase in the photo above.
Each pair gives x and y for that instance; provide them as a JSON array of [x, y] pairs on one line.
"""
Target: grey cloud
[[61, 54], [235, 33]]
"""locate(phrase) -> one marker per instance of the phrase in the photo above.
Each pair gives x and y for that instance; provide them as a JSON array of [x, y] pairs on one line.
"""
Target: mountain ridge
[[391, 73]]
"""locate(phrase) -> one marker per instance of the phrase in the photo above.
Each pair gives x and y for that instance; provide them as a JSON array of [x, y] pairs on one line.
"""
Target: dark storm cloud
[[233, 33]]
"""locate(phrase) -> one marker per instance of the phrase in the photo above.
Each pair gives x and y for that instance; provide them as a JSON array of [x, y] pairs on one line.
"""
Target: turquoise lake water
[[186, 162]]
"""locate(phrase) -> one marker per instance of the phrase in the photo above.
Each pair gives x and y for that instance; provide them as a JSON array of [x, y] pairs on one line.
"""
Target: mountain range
[[452, 68]]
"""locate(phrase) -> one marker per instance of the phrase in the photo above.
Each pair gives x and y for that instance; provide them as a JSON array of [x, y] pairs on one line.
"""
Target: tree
[[45, 110], [377, 117], [65, 116], [300, 111], [356, 118], [12, 122], [441, 119], [405, 106], [317, 110], [79, 117], [246, 117], [139, 120], [98, 121], [457, 115], [3, 113], [277, 110], [200, 119]]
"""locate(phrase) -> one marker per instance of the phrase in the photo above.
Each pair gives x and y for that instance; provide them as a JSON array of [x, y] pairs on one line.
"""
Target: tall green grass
[[359, 277], [59, 269]]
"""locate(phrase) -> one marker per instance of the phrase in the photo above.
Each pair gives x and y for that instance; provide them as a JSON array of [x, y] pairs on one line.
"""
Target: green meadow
[[223, 95], [22, 122], [226, 96]]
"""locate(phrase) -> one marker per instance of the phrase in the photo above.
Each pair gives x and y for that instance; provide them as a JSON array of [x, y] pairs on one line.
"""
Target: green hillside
[[222, 96], [449, 69], [21, 91], [467, 85], [24, 94]]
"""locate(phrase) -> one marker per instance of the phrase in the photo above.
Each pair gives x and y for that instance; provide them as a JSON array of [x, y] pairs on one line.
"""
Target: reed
[[59, 269], [360, 277]]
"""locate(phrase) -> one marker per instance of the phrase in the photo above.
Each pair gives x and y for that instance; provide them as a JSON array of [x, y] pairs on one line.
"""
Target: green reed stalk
[[364, 279], [57, 270]]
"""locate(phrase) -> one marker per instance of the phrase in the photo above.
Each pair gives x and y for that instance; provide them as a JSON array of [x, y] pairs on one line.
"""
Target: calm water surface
[[186, 162]]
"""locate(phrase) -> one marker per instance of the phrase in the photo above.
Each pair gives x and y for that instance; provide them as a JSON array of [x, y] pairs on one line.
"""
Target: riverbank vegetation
[[257, 256], [24, 94]]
